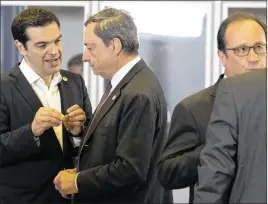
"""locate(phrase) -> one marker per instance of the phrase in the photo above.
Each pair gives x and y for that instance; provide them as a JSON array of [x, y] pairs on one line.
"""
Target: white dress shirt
[[121, 73], [49, 96]]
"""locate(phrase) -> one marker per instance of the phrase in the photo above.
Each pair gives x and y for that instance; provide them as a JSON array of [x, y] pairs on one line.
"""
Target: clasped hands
[[65, 182], [46, 118]]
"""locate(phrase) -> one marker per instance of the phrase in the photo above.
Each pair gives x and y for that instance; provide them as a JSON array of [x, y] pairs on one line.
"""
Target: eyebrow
[[45, 42], [88, 44], [245, 44]]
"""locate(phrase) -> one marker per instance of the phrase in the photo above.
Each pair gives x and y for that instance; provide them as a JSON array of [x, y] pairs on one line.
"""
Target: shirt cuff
[[76, 182], [37, 140]]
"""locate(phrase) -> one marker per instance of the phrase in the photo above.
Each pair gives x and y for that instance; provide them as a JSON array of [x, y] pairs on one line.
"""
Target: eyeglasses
[[244, 50]]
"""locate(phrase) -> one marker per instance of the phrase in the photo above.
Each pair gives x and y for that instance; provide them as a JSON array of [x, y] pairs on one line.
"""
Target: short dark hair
[[238, 16], [113, 23], [75, 60], [31, 17]]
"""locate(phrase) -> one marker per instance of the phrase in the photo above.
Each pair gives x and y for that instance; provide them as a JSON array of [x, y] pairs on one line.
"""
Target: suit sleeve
[[133, 153], [17, 144], [86, 106], [178, 166], [217, 158], [86, 102]]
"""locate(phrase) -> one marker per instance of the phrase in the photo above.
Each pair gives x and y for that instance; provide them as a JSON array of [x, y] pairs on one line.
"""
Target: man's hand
[[74, 120], [65, 182], [44, 119]]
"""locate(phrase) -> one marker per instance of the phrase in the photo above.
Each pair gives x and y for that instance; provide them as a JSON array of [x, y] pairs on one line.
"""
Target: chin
[[54, 70], [95, 72]]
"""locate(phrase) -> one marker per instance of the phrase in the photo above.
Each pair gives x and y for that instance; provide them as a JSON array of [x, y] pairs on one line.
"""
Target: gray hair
[[113, 23]]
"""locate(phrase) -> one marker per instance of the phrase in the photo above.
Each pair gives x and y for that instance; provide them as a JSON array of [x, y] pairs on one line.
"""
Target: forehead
[[246, 32], [43, 33], [90, 36]]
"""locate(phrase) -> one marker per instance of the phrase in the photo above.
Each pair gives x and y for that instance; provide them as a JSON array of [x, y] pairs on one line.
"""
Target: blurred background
[[177, 41]]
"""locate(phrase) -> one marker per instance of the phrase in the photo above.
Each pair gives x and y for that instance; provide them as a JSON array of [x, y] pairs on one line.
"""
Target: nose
[[86, 57], [252, 56], [53, 49]]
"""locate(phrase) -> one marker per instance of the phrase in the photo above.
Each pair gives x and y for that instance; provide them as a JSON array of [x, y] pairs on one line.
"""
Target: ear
[[21, 48], [222, 56], [117, 45]]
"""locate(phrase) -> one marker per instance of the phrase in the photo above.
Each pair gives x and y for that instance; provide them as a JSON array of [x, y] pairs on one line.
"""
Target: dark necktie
[[104, 96]]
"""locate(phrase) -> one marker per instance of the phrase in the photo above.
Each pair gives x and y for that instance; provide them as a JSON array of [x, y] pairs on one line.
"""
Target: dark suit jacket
[[26, 170], [178, 165], [233, 162], [117, 161]]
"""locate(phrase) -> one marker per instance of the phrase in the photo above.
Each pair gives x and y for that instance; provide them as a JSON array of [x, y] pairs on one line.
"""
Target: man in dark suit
[[118, 156], [178, 165], [39, 112], [233, 160]]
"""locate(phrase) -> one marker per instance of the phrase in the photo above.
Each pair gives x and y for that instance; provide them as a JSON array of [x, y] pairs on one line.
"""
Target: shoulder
[[6, 80], [70, 75], [72, 78], [245, 85], [199, 97], [5, 77], [7, 87], [198, 104], [248, 79], [144, 83]]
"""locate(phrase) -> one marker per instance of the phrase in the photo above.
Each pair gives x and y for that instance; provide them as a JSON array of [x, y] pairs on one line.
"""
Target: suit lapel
[[215, 86], [25, 89], [66, 94], [66, 97], [110, 101], [112, 98]]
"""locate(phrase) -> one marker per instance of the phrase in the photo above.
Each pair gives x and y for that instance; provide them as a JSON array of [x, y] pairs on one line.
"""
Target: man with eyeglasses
[[241, 48], [233, 161], [242, 44]]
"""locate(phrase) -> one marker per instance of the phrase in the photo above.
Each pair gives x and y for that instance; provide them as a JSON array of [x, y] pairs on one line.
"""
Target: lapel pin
[[114, 97], [64, 79]]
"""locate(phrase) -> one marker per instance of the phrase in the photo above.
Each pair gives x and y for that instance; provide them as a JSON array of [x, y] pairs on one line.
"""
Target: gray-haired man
[[118, 157]]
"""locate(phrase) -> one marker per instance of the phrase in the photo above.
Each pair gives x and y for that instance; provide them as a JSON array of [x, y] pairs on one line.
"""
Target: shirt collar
[[121, 73], [32, 76], [28, 72], [56, 79]]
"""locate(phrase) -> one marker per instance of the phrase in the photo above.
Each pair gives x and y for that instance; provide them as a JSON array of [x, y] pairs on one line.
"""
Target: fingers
[[44, 119], [57, 187], [76, 116], [50, 112], [49, 116], [77, 113], [75, 123], [73, 108], [57, 178], [71, 170], [64, 195], [49, 121]]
